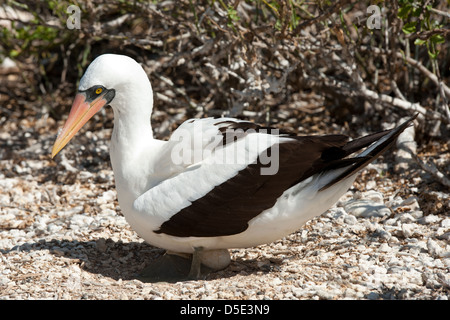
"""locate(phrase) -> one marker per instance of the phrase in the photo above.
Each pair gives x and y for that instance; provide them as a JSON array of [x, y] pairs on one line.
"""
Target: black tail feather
[[381, 142]]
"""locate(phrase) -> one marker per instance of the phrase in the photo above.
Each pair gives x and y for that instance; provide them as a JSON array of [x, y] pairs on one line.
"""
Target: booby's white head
[[111, 79]]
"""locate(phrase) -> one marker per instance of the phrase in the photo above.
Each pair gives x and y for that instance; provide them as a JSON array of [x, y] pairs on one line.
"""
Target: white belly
[[292, 210]]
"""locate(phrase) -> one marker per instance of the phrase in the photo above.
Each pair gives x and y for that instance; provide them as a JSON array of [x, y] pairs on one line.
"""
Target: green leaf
[[13, 53], [404, 11], [437, 38], [433, 55], [419, 42], [232, 14], [409, 27], [416, 12]]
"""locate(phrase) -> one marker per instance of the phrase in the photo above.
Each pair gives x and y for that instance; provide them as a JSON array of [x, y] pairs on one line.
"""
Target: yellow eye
[[98, 91]]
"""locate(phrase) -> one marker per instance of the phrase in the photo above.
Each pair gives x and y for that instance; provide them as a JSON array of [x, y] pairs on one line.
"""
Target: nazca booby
[[217, 183]]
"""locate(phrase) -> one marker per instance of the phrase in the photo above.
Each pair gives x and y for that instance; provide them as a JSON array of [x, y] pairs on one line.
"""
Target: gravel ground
[[62, 235]]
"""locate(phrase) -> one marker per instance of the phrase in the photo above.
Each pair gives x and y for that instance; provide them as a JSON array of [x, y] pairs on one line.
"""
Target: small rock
[[373, 296], [4, 280], [325, 294], [366, 208], [431, 218], [374, 196], [80, 221], [382, 234], [445, 236], [411, 202], [434, 249], [216, 259], [275, 282], [445, 223], [417, 214], [8, 63], [54, 228], [350, 219], [107, 197], [408, 229], [372, 184], [444, 279], [84, 175], [405, 218]]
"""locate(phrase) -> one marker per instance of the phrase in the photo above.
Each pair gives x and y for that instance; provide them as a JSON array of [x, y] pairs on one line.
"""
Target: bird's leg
[[196, 264]]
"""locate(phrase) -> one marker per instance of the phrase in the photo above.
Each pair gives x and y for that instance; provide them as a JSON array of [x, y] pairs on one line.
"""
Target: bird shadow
[[126, 260]]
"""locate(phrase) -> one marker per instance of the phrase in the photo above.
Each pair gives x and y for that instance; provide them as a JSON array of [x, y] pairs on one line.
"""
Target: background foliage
[[309, 66]]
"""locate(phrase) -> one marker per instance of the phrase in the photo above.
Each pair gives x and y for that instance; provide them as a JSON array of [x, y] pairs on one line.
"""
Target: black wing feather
[[228, 207]]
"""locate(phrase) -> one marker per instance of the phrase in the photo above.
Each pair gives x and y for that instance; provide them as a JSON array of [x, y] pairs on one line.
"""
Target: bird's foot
[[174, 267]]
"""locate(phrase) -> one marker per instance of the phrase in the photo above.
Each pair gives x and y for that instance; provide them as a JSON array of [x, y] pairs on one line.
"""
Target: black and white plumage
[[216, 183]]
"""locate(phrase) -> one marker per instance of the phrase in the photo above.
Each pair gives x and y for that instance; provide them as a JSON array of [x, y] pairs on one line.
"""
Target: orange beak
[[80, 113]]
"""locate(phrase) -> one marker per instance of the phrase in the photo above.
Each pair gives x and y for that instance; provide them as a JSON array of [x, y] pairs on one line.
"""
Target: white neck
[[133, 147]]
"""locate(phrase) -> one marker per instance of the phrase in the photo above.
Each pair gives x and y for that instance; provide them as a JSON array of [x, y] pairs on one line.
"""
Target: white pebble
[[434, 249], [408, 229], [429, 219], [275, 282], [366, 208], [107, 196], [80, 220], [374, 196], [350, 219], [411, 202], [216, 259], [445, 223]]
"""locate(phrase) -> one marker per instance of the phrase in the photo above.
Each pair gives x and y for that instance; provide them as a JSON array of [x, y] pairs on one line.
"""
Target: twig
[[116, 23], [430, 167], [178, 90], [442, 13], [407, 151], [397, 91], [401, 104], [347, 89], [424, 35], [398, 102], [322, 16], [415, 64], [350, 68]]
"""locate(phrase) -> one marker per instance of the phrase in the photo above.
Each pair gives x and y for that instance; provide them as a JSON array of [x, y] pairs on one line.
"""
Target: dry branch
[[414, 63]]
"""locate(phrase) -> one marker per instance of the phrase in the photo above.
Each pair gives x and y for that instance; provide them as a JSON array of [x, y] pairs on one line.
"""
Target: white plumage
[[207, 186]]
